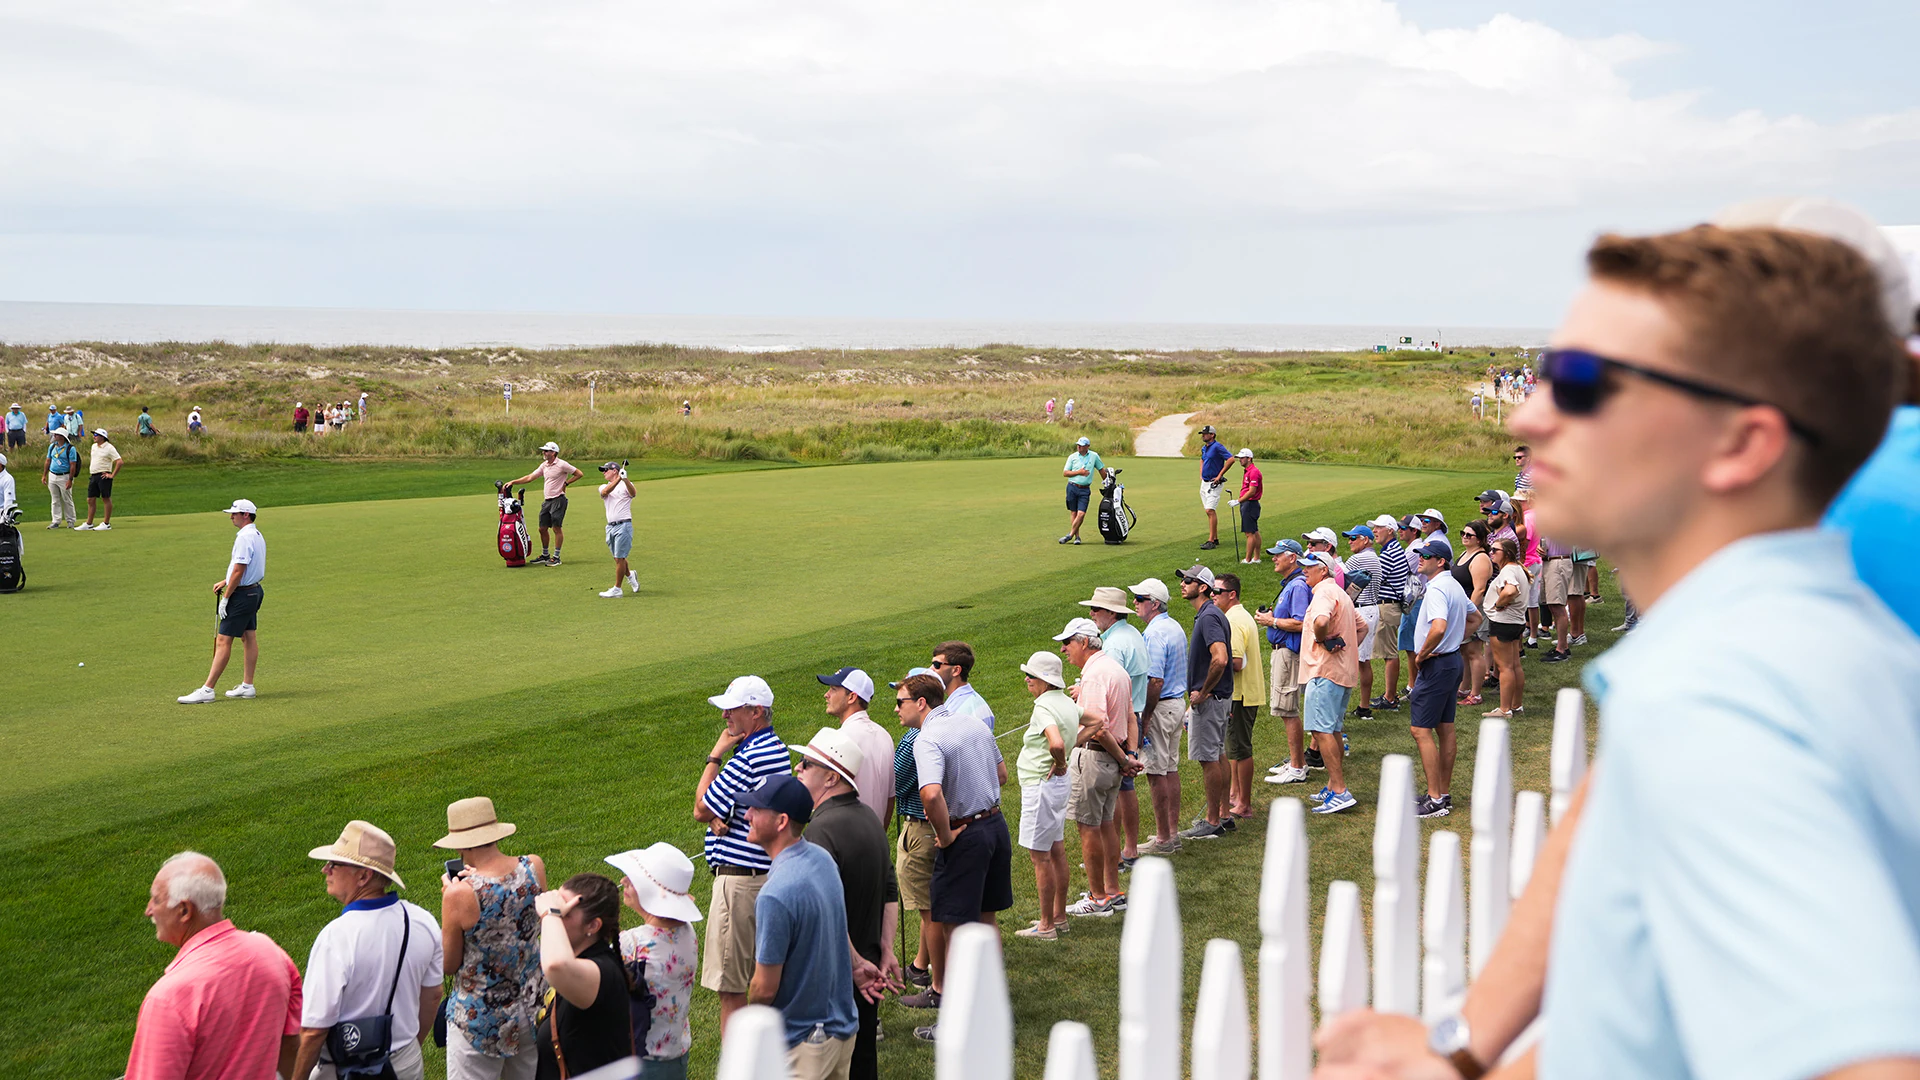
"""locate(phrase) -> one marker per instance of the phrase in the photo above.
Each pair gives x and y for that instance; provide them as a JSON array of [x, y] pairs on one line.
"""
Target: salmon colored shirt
[[1106, 695], [1342, 667], [220, 1010]]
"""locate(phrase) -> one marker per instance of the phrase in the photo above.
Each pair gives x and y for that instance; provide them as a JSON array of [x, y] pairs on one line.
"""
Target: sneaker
[[1068, 539], [1075, 541], [1341, 800], [918, 976], [1117, 902], [1227, 825], [1088, 906], [103, 526], [633, 580], [545, 556], [555, 560], [1288, 775], [926, 1034], [1447, 801], [1532, 642], [1034, 931], [1314, 760], [1430, 807], [55, 525], [1201, 829], [1578, 639], [1621, 629], [925, 999], [198, 697], [613, 593], [1555, 656], [1323, 794], [82, 527], [1209, 545], [1346, 746], [1126, 864], [1362, 712], [244, 690], [1154, 847], [1384, 703]]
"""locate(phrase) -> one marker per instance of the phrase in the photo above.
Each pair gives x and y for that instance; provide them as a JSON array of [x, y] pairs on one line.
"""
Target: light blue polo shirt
[[1167, 655], [1743, 897]]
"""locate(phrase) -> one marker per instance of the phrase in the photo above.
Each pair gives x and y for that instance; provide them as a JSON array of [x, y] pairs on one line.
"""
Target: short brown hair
[[957, 653], [927, 688], [1786, 317]]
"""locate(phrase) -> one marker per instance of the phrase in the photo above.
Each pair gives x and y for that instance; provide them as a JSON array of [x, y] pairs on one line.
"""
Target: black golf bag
[[13, 576], [1116, 517]]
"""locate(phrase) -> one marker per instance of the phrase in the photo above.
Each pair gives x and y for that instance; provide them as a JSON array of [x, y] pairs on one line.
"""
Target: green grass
[[404, 667]]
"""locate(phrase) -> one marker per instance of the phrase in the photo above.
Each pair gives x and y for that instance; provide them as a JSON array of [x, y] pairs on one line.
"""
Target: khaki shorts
[[1387, 642], [727, 967], [1093, 792], [1283, 683], [829, 1059], [1556, 581], [1164, 726], [913, 864]]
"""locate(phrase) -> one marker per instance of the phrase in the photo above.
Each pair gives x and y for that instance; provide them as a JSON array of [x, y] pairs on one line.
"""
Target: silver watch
[[1449, 1037]]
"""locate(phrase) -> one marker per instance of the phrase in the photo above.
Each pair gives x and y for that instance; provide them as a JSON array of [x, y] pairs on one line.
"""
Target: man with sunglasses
[[953, 663], [1209, 699]]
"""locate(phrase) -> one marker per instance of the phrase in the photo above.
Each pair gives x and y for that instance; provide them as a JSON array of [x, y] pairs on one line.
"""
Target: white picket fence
[[1422, 950]]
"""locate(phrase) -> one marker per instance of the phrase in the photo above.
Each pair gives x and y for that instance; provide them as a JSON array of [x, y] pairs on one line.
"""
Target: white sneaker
[[633, 580], [102, 527], [198, 697], [1578, 640], [1287, 775], [82, 527], [613, 593], [244, 690]]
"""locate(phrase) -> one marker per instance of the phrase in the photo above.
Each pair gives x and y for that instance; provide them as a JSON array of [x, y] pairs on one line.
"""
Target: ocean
[[34, 323]]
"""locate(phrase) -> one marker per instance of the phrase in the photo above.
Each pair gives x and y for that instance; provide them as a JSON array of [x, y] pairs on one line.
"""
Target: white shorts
[[1210, 494], [1043, 813], [1533, 587], [1369, 631]]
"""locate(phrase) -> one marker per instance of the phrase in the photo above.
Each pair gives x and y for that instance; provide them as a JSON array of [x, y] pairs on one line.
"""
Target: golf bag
[[1116, 517], [13, 576], [514, 541]]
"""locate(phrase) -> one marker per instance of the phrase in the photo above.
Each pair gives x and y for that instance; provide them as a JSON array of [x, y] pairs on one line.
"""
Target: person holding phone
[[490, 937]]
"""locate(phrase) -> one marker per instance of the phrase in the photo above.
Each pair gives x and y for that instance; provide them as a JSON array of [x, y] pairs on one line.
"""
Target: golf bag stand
[[13, 575], [1116, 517], [514, 541]]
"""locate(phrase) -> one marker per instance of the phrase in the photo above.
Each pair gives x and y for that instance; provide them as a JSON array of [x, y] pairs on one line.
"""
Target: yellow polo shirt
[[1247, 643]]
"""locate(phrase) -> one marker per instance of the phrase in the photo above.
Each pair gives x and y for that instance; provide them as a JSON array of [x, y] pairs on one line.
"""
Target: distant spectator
[[1082, 466], [54, 422], [1165, 720], [1532, 560], [746, 753], [1100, 758], [953, 662], [686, 408], [62, 465], [1283, 623], [1069, 412], [1522, 469], [490, 934], [194, 424], [229, 1003], [76, 423], [1252, 486], [103, 467], [1363, 585], [145, 429], [1119, 639], [1409, 537], [617, 496], [1042, 772], [300, 415], [1556, 589], [1246, 647], [1446, 619], [1209, 701], [361, 961], [555, 477], [1395, 570], [8, 495], [1505, 610], [363, 405], [240, 596], [1329, 668], [913, 857], [848, 693], [663, 950], [1049, 410], [1214, 462], [1472, 569], [803, 965], [583, 1021], [16, 427]]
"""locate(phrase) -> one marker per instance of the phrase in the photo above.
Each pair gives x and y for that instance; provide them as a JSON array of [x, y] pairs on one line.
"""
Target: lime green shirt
[[1053, 709], [1089, 461]]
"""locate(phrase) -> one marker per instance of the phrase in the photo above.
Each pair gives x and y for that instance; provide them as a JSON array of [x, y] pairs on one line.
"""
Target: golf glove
[[623, 472], [223, 606]]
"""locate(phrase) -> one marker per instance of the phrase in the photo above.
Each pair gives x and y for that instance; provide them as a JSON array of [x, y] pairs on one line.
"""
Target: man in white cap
[[1082, 466], [849, 691], [1395, 572], [1252, 487], [1165, 719], [300, 415], [848, 831], [746, 753], [16, 427], [8, 495], [102, 468], [361, 961], [1322, 541], [240, 596], [1102, 754], [1119, 639], [194, 425], [56, 474], [555, 477]]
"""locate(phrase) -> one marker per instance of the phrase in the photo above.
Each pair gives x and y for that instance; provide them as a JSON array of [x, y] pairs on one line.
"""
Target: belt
[[1550, 558], [1096, 748], [730, 870], [991, 811], [622, 521], [1449, 652]]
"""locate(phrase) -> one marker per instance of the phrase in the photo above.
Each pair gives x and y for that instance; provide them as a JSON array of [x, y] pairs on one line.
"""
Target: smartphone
[[454, 866]]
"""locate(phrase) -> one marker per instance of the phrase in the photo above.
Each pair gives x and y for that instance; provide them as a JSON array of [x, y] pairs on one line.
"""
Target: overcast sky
[[1319, 161]]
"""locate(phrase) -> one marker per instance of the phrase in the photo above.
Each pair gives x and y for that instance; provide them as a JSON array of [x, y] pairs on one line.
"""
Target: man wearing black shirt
[[1209, 696]]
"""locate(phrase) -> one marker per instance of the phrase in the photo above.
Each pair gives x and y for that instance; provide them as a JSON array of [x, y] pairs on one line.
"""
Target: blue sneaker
[[1336, 803], [1323, 794]]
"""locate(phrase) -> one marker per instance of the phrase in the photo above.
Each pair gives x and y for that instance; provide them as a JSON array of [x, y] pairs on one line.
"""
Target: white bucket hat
[[1045, 666], [836, 750], [662, 876]]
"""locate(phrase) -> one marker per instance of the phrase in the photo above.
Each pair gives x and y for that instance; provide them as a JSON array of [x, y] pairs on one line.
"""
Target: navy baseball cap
[[782, 795], [1492, 496], [850, 678], [1435, 549], [1357, 532], [1410, 522], [1287, 545]]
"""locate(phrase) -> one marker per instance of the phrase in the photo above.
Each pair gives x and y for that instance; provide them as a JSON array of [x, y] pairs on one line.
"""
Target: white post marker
[[1444, 970], [976, 1014], [1569, 761], [1492, 838], [506, 391], [755, 1045], [590, 395], [1286, 1034], [1529, 832], [1222, 1034], [1396, 892], [1070, 1052], [1150, 977], [1343, 953]]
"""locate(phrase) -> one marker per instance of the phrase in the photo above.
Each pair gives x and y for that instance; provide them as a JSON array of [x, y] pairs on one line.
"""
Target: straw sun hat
[[364, 844], [471, 823]]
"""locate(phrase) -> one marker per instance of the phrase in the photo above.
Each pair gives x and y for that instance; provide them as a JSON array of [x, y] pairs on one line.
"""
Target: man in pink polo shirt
[[1102, 754], [555, 477], [228, 1007]]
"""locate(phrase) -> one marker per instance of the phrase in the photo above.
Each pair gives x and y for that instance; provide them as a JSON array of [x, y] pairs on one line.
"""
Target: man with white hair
[[1101, 756], [555, 477], [1166, 714], [228, 1006], [57, 473]]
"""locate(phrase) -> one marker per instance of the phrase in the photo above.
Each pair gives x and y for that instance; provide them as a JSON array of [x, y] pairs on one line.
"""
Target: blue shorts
[[1433, 691], [1078, 496], [242, 611], [1406, 631], [620, 538], [1250, 516], [1324, 704]]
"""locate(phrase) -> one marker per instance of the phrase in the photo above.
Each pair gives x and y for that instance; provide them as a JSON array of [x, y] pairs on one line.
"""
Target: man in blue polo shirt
[[62, 465], [1283, 633], [1162, 724], [1214, 463]]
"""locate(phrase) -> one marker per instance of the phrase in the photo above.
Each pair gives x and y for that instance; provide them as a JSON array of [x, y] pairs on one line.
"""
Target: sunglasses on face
[[1581, 382], [938, 664], [901, 701]]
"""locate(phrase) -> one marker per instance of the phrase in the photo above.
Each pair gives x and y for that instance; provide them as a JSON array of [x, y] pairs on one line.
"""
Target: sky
[[1291, 161]]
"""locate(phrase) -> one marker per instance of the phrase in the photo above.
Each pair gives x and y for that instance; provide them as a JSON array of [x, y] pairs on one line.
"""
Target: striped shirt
[[966, 701], [1366, 560], [906, 778], [963, 759], [1394, 571], [761, 755]]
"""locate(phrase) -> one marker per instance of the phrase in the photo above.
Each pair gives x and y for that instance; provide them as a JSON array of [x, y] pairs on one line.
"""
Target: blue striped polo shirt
[[906, 778], [761, 755]]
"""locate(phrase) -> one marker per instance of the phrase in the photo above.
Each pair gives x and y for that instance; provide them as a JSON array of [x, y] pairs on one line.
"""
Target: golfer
[[617, 494], [1082, 464], [1214, 463], [556, 476], [240, 599], [102, 468]]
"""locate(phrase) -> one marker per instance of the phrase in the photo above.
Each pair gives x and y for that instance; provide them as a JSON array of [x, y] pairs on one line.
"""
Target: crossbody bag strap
[[553, 1025], [406, 934]]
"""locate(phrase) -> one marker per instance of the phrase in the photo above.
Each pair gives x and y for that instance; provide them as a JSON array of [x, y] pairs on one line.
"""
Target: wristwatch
[[1449, 1038], [716, 761]]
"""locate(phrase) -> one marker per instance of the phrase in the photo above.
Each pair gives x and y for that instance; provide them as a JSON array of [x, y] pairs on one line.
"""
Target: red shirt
[[1250, 483], [220, 1010]]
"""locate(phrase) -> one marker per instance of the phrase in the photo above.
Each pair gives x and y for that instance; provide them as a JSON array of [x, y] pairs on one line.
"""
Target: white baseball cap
[[242, 506], [1324, 535], [1153, 587], [1384, 521], [100, 433], [3, 461], [550, 445], [851, 679], [1244, 452], [662, 877], [1045, 666], [837, 751], [745, 690], [1078, 628]]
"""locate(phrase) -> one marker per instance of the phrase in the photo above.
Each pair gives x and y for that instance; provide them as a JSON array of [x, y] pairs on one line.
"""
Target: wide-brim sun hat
[[1108, 598], [1045, 666], [99, 433], [834, 749], [472, 823], [362, 844], [662, 878]]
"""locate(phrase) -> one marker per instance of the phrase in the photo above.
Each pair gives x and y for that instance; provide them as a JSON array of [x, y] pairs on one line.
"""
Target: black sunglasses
[[1580, 386]]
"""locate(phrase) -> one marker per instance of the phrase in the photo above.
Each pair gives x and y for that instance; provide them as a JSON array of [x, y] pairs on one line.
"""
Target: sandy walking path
[[1164, 437]]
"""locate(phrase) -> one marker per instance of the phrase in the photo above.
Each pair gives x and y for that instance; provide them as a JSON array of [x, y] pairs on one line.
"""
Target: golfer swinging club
[[617, 493], [240, 599], [555, 476]]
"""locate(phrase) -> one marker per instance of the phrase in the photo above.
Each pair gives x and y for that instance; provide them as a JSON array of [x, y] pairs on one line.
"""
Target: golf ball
[[83, 663]]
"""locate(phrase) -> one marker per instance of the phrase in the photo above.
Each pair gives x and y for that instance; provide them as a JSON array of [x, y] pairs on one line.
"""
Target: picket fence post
[[1444, 913], [1396, 891], [627, 1068], [1343, 953], [1070, 1052], [755, 1045], [1569, 762], [1529, 832], [1286, 1048], [1222, 1033], [1492, 838], [1150, 977], [976, 1012]]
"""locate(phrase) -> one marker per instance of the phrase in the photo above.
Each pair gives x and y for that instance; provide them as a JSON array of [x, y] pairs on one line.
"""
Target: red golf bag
[[514, 541]]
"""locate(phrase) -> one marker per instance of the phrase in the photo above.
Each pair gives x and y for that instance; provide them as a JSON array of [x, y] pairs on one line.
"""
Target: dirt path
[[1164, 437]]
